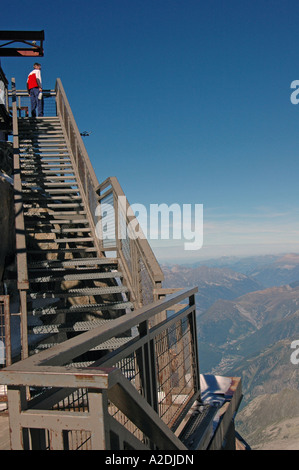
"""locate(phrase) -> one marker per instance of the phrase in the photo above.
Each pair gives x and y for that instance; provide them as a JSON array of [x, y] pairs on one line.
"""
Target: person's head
[[37, 65]]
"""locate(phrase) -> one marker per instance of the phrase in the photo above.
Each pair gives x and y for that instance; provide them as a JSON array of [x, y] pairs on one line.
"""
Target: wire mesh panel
[[130, 369], [5, 344], [146, 284], [107, 235], [24, 104], [163, 369], [5, 340], [176, 369]]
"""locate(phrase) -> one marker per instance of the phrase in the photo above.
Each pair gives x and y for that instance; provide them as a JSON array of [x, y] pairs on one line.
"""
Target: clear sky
[[187, 102]]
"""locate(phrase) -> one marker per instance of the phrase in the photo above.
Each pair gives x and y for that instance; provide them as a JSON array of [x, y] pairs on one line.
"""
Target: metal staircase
[[72, 288], [117, 364]]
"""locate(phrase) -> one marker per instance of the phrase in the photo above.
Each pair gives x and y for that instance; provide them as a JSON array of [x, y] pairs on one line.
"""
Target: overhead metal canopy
[[32, 39]]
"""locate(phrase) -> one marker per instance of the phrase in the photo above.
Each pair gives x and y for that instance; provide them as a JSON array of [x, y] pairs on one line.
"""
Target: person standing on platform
[[34, 87]]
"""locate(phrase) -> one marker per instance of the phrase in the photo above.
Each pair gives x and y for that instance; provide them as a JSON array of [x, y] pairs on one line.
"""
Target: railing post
[[16, 397], [193, 332], [98, 411], [147, 368]]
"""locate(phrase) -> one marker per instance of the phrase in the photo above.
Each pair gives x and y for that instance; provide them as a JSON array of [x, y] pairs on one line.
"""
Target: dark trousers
[[36, 103]]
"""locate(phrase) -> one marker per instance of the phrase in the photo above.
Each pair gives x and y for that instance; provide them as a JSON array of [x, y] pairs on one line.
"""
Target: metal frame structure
[[27, 38], [122, 399]]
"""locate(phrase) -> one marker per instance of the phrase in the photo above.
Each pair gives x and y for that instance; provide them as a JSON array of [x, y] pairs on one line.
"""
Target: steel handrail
[[47, 369]]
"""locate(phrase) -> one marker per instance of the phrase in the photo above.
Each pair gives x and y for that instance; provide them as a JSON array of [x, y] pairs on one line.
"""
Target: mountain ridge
[[249, 336]]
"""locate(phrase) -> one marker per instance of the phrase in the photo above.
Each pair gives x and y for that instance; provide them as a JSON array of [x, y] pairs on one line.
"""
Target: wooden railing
[[136, 397]]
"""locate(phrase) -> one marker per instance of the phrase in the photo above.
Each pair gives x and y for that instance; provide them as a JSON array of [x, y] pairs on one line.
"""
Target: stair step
[[54, 206], [61, 231], [65, 170], [76, 277], [35, 222], [113, 343], [83, 292], [65, 205], [27, 138], [64, 230], [34, 196], [48, 185], [62, 240], [40, 214], [67, 327], [86, 249], [51, 207], [61, 178], [45, 164], [46, 156], [73, 262], [43, 145], [28, 131], [54, 191], [28, 153], [80, 308]]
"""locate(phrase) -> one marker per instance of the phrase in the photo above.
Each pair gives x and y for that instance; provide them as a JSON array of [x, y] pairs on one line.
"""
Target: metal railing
[[117, 228], [86, 176], [24, 106], [142, 272], [134, 398]]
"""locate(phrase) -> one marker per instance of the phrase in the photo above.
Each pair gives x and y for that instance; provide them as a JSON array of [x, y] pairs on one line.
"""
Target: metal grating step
[[92, 291], [62, 230], [45, 180], [47, 186], [50, 191], [67, 327], [113, 344], [76, 277], [62, 171], [37, 196], [80, 308], [45, 145], [74, 262], [32, 221], [80, 250], [27, 138], [61, 240], [44, 158]]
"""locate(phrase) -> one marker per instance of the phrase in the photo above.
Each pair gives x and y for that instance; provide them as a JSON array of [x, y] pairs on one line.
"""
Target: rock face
[[271, 421], [7, 247]]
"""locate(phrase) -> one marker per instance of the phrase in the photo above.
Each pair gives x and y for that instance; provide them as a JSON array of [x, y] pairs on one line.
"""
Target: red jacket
[[34, 79]]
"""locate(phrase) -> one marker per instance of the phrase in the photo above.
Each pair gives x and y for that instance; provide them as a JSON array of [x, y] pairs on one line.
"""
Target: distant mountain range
[[246, 323], [268, 270], [213, 283]]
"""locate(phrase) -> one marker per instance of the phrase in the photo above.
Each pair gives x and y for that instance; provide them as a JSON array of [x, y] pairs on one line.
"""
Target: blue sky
[[187, 102]]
